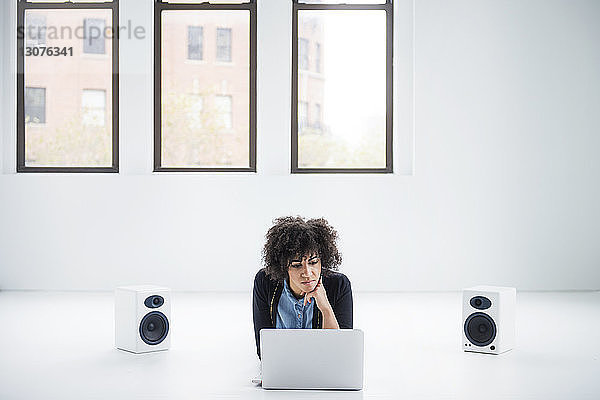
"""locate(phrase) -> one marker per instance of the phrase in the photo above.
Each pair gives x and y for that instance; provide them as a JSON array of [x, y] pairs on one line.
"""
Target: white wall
[[504, 188]]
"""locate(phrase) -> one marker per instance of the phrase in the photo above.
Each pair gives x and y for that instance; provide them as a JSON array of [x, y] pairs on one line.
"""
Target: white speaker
[[489, 319], [142, 318]]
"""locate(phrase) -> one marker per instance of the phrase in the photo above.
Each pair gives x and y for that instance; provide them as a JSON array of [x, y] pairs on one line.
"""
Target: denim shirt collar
[[291, 312]]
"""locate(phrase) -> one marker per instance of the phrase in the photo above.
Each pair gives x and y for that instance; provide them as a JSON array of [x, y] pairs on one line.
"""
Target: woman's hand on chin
[[320, 296]]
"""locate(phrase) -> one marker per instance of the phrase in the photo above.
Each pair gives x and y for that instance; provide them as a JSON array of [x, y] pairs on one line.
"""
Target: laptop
[[333, 358]]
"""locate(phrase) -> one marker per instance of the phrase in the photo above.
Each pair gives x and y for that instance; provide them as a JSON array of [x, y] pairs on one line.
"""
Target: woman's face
[[304, 273]]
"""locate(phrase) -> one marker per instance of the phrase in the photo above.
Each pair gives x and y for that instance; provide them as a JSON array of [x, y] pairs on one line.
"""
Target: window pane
[[93, 105], [195, 110], [223, 106], [35, 34], [94, 38], [303, 53], [344, 83], [224, 44], [212, 132], [35, 105], [303, 114], [318, 57], [209, 1], [343, 1], [72, 1], [195, 38], [76, 128], [317, 117]]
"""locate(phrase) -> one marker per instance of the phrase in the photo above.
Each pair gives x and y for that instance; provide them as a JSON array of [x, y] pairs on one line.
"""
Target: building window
[[189, 127], [94, 41], [224, 44], [36, 32], [93, 107], [67, 106], [195, 40], [35, 105], [224, 108], [318, 57], [195, 110], [350, 126], [302, 114], [317, 117], [303, 53]]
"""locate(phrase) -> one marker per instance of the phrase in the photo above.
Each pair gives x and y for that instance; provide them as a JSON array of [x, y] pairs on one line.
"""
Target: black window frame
[[388, 7], [22, 7], [159, 7]]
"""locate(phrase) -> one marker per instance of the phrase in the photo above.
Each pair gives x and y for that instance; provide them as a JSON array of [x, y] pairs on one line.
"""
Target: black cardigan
[[267, 292]]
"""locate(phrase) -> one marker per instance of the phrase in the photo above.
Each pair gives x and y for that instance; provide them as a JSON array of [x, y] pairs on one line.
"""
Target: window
[[94, 38], [205, 113], [36, 32], [93, 107], [67, 104], [318, 57], [224, 109], [317, 117], [35, 105], [195, 37], [351, 129], [303, 114], [303, 53], [224, 44], [195, 110]]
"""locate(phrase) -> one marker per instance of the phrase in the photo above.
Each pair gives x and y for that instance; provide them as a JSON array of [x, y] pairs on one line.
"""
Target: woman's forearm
[[329, 320]]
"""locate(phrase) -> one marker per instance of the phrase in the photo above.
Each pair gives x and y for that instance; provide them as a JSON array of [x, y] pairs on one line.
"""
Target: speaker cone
[[480, 329], [154, 327]]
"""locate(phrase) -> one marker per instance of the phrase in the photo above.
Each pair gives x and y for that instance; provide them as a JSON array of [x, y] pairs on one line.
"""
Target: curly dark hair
[[293, 237]]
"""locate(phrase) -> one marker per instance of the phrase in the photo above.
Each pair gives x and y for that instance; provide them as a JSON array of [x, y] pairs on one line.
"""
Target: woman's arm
[[260, 307], [343, 308], [340, 314], [322, 302], [329, 319]]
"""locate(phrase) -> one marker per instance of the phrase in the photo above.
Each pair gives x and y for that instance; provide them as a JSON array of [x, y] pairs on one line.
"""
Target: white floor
[[60, 346]]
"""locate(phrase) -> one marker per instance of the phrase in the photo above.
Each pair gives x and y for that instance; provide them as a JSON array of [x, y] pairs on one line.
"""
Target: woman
[[298, 287]]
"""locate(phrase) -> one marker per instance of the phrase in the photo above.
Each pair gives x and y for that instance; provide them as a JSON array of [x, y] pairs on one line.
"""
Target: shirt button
[[299, 315]]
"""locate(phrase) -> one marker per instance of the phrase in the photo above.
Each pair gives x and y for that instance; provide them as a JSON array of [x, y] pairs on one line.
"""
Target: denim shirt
[[291, 312]]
